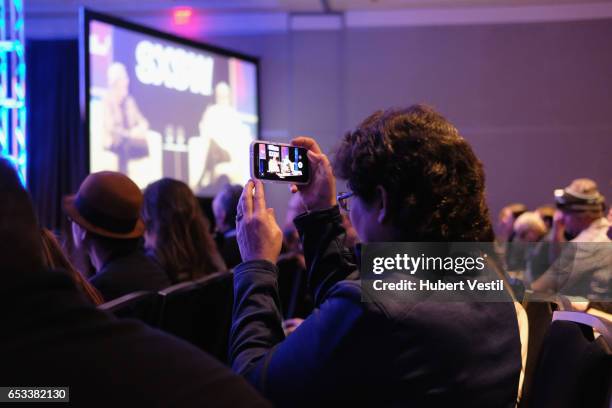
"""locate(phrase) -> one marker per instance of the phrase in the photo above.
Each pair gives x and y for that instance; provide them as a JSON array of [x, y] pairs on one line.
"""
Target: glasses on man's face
[[343, 199]]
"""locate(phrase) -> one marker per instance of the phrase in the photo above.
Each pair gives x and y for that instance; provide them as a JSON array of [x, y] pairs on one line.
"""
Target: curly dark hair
[[435, 182]]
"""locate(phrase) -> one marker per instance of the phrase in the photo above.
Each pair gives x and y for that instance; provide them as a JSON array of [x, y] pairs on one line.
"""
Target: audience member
[[106, 223], [9, 179], [530, 231], [512, 255], [529, 227], [19, 233], [177, 233], [413, 178], [291, 238], [506, 219], [224, 209], [54, 258], [610, 221], [547, 213], [52, 336], [582, 216], [584, 267]]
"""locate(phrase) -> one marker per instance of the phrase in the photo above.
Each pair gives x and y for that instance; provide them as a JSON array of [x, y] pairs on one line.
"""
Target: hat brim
[[71, 210]]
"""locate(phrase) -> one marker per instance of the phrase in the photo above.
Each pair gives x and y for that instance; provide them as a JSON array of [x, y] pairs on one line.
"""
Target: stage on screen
[[161, 106]]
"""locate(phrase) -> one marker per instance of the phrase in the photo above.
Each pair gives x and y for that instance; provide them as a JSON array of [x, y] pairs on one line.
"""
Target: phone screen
[[277, 162]]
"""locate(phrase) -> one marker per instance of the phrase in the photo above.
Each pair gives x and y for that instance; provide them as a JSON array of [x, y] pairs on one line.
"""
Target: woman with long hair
[[177, 232]]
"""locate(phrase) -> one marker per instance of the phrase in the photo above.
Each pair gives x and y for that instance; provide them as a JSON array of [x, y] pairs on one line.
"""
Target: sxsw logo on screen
[[174, 68]]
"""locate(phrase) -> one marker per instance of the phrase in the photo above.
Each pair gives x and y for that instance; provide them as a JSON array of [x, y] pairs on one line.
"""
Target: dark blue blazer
[[353, 353]]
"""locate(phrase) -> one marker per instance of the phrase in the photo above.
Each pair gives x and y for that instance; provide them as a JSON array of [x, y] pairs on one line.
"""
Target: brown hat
[[108, 204]]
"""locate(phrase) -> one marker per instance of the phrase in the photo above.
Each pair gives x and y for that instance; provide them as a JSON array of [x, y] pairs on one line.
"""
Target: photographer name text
[[426, 285]]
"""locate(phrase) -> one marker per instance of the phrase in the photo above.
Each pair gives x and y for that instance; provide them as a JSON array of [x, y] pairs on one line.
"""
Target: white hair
[[529, 220], [115, 72]]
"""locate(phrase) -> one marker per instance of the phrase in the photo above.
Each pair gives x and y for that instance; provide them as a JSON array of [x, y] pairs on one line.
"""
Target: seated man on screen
[[273, 165], [413, 179], [124, 125], [287, 167], [226, 140]]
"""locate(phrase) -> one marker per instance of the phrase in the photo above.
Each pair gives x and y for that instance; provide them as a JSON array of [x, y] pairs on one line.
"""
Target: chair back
[[141, 305], [539, 315], [573, 369], [200, 312]]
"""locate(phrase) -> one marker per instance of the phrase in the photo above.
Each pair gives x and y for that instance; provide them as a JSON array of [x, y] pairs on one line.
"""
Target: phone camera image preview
[[279, 162]]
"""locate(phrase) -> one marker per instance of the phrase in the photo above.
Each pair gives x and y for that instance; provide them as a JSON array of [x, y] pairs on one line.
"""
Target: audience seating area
[[198, 311], [534, 344]]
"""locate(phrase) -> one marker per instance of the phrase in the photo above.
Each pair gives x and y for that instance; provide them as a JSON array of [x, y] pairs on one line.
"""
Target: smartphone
[[279, 162]]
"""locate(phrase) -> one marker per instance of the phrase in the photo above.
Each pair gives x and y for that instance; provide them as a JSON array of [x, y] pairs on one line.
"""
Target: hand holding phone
[[320, 192], [302, 164], [258, 234]]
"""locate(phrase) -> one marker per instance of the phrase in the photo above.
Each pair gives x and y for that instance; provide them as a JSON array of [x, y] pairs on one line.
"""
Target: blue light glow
[[13, 143]]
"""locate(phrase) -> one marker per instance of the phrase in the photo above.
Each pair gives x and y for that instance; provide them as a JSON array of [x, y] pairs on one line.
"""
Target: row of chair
[[566, 366], [198, 311]]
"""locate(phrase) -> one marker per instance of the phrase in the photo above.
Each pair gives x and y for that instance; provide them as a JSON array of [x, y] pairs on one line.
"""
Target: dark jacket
[[127, 273], [352, 353], [51, 336]]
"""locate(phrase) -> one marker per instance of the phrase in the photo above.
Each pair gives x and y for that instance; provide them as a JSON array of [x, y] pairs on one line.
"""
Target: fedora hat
[[581, 195], [108, 204]]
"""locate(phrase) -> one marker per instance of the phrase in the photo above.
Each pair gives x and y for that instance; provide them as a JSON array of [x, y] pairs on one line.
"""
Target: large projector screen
[[156, 105]]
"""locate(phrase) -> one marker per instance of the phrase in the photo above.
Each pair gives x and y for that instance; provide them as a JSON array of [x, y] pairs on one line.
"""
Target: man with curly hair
[[412, 178]]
